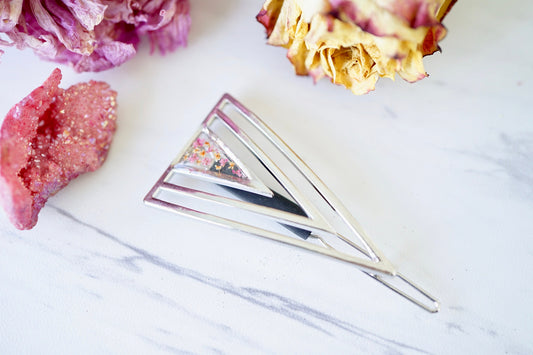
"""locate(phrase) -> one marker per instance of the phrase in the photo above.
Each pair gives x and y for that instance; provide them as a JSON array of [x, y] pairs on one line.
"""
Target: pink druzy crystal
[[49, 138]]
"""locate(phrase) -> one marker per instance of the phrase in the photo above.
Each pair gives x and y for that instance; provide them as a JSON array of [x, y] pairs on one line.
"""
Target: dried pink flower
[[93, 35]]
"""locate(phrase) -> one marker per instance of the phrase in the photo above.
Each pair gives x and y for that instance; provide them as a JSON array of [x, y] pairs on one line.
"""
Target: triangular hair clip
[[236, 172]]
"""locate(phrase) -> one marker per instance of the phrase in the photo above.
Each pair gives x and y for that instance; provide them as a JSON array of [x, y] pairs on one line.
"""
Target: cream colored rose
[[354, 42]]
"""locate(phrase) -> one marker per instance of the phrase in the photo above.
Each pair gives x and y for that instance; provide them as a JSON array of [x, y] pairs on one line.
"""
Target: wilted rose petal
[[89, 13], [49, 138], [9, 14], [354, 42], [171, 34]]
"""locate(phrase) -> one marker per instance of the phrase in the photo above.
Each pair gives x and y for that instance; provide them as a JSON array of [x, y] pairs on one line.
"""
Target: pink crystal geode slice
[[49, 138]]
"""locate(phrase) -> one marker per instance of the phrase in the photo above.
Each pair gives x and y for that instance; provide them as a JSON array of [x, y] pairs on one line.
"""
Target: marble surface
[[439, 173]]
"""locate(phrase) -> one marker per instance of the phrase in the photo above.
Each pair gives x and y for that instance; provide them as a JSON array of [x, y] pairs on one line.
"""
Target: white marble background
[[440, 174]]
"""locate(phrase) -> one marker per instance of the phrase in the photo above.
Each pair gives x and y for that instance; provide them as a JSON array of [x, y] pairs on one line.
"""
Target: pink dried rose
[[93, 35], [354, 42], [49, 138]]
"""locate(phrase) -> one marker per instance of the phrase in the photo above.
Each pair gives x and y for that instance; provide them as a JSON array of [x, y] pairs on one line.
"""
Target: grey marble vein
[[517, 159], [164, 347], [390, 112], [514, 158], [273, 302]]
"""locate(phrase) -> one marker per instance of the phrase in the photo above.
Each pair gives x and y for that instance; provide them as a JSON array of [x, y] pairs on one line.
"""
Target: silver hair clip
[[235, 160]]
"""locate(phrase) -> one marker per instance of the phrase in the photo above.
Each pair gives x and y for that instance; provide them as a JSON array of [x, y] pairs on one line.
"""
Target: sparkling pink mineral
[[49, 138]]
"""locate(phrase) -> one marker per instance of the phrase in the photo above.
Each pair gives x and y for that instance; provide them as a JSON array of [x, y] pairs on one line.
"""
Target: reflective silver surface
[[267, 186]]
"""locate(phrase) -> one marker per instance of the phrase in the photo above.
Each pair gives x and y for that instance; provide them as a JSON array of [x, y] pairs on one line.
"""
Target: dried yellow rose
[[354, 42]]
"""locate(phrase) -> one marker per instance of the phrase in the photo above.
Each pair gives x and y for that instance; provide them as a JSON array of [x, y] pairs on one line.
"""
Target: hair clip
[[237, 173]]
